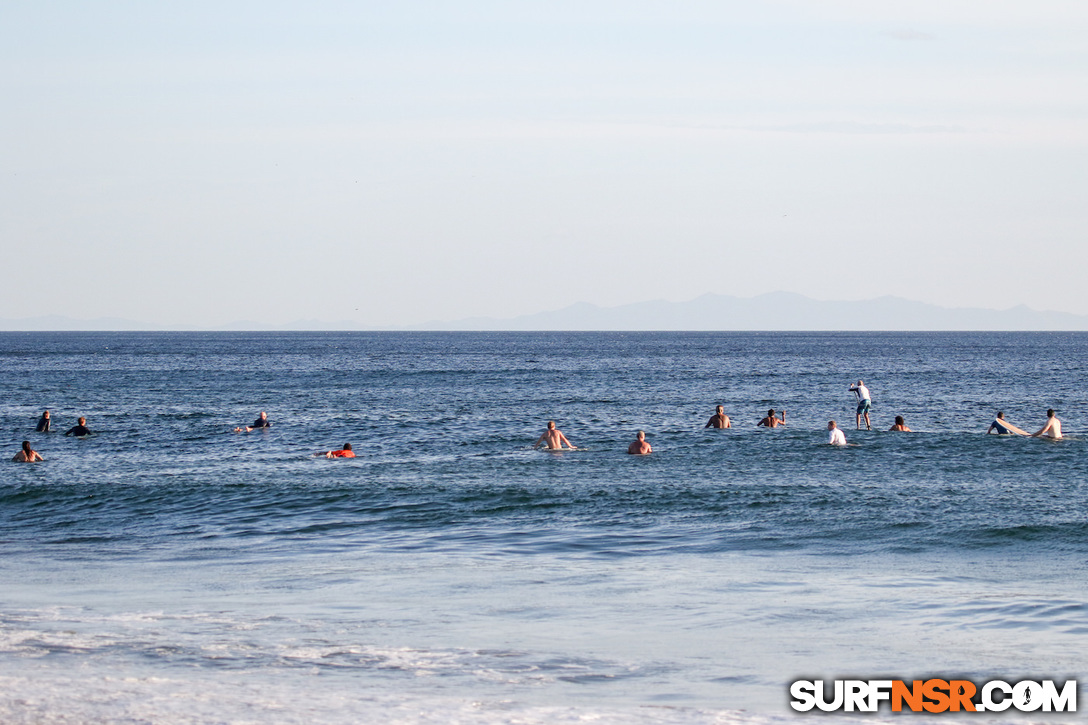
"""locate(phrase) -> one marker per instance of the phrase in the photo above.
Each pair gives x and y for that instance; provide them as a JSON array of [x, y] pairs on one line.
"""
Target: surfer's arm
[[563, 439]]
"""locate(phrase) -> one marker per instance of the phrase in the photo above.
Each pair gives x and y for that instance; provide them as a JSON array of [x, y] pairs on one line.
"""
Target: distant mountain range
[[773, 311]]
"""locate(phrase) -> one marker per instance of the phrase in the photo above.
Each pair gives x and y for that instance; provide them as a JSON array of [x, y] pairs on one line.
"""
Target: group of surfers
[[80, 430], [29, 455], [554, 440]]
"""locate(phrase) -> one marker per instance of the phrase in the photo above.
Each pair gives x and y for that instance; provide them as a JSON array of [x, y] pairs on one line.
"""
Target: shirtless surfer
[[1052, 429], [771, 421], [27, 455], [554, 439], [900, 425], [719, 420], [640, 447]]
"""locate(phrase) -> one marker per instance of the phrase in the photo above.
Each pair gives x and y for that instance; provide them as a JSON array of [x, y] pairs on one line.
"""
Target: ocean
[[169, 570]]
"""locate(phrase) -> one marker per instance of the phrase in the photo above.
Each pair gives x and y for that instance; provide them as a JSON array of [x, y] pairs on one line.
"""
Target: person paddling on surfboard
[[261, 423], [865, 402], [554, 438], [344, 452]]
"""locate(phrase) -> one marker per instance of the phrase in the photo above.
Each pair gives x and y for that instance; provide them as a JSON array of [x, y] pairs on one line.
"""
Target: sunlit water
[[169, 570]]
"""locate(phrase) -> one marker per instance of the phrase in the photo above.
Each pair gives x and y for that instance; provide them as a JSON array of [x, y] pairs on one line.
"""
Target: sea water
[[169, 570]]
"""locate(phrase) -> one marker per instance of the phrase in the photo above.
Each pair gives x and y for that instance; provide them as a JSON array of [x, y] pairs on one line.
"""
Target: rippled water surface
[[170, 570]]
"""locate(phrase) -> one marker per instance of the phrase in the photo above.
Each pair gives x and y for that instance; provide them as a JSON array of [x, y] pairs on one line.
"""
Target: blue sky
[[389, 164]]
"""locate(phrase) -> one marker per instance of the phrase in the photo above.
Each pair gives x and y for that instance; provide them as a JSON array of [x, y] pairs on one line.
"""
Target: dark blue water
[[448, 537]]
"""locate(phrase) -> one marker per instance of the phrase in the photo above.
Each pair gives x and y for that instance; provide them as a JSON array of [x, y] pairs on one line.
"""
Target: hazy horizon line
[[65, 323]]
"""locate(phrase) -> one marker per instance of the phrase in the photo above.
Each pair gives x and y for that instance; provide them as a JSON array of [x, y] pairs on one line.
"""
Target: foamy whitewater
[[168, 570]]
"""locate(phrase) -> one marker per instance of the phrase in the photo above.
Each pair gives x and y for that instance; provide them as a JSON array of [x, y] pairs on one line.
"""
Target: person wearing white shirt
[[836, 437], [864, 403]]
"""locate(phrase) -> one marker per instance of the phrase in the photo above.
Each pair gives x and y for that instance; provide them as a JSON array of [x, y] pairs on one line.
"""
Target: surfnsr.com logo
[[934, 695]]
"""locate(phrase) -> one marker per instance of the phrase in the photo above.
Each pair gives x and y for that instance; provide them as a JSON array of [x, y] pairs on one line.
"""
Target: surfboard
[[1013, 429]]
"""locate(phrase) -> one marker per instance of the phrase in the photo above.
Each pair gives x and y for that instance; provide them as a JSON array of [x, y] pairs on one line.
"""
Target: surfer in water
[[1003, 427], [43, 423], [865, 402], [1052, 429], [261, 422], [771, 421], [900, 425], [835, 435], [640, 447], [553, 438], [344, 452], [27, 455], [80, 429], [719, 420]]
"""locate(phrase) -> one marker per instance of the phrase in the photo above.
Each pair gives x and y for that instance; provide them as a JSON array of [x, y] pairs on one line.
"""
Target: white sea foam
[[54, 698], [64, 698], [62, 666]]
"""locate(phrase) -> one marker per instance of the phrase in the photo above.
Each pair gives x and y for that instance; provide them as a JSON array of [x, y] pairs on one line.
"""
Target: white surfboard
[[1013, 429]]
